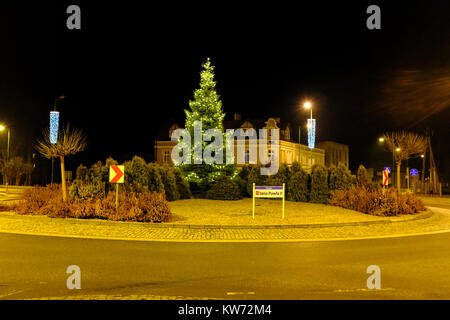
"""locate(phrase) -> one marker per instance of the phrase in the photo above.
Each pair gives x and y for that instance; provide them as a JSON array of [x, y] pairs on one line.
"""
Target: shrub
[[87, 190], [137, 173], [298, 186], [170, 183], [144, 206], [295, 167], [224, 189], [242, 179], [256, 178], [35, 199], [375, 202], [155, 182], [319, 184], [182, 185], [362, 176]]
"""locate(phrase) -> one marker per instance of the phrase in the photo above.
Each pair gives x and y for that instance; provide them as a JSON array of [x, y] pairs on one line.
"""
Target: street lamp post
[[7, 152], [393, 160], [54, 109]]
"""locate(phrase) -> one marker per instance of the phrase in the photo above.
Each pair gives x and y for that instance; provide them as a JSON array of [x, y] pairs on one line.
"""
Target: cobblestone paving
[[10, 222]]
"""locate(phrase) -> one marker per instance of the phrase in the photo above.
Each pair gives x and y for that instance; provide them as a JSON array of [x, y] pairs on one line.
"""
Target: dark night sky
[[132, 67]]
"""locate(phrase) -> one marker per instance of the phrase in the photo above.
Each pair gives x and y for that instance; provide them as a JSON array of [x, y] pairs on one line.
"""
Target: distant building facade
[[335, 153], [289, 150]]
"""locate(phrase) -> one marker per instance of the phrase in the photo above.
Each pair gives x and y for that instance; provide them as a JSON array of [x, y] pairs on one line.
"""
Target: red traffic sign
[[385, 177], [116, 174]]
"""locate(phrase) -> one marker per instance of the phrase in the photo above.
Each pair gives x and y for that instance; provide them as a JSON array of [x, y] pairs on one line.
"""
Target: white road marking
[[363, 290], [238, 293]]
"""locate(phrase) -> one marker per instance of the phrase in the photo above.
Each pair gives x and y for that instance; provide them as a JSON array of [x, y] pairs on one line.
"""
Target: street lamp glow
[[422, 156], [2, 127], [381, 139], [307, 105], [398, 149]]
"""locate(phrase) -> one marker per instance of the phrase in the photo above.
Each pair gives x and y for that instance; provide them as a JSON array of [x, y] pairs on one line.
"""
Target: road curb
[[424, 215]]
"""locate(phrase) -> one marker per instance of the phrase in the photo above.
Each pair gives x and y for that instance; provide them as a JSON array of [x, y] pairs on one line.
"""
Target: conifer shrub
[[170, 184], [224, 189], [182, 185], [319, 184], [362, 176], [256, 178], [298, 186]]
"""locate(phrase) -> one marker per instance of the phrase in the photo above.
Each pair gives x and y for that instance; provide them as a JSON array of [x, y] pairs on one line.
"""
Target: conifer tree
[[206, 107]]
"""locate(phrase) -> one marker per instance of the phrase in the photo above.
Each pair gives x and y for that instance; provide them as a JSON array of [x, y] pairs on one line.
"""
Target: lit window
[[166, 156]]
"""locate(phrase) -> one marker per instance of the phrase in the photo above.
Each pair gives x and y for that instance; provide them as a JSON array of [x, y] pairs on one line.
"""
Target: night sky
[[133, 67]]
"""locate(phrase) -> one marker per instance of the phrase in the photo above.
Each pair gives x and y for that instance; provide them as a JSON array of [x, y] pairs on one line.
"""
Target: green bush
[[298, 186], [170, 183], [92, 183], [182, 184], [340, 178], [87, 190], [224, 189], [375, 202], [137, 173], [295, 167], [155, 183], [362, 176], [319, 184], [256, 178]]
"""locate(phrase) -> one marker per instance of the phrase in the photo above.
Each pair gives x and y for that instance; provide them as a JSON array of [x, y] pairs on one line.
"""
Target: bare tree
[[404, 145], [70, 141]]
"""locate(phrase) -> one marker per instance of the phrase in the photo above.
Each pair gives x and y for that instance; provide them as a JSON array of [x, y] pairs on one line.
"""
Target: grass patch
[[268, 212]]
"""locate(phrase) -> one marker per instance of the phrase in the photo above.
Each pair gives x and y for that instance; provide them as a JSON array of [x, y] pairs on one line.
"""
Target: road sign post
[[414, 173], [117, 175], [269, 192], [385, 178]]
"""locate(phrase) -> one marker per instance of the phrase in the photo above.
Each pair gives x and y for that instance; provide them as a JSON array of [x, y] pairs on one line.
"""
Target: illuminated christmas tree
[[207, 108]]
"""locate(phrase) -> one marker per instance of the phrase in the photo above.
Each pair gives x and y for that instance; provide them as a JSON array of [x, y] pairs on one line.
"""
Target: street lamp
[[54, 111], [308, 105], [2, 128], [381, 139]]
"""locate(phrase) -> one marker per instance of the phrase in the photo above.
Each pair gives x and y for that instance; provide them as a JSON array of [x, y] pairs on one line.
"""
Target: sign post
[[268, 192], [414, 173], [117, 175], [385, 178]]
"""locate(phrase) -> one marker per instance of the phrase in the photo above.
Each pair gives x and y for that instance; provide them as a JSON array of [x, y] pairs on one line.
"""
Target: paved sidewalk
[[101, 229]]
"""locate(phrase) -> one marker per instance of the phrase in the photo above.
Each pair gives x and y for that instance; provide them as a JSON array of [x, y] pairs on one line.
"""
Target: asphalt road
[[411, 268]]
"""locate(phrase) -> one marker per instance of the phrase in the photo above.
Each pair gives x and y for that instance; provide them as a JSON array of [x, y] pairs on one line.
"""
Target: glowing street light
[[2, 128], [311, 129], [54, 127]]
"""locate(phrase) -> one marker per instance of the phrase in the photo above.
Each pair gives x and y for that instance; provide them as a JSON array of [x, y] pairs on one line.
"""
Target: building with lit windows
[[289, 150]]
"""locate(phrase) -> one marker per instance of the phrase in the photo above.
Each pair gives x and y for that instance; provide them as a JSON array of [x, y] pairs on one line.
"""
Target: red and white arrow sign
[[385, 177], [116, 174]]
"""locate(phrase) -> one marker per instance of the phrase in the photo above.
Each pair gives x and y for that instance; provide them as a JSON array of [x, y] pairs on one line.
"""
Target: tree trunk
[[399, 181], [63, 179]]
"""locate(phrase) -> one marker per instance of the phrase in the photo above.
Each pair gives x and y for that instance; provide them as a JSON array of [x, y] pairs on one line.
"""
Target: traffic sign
[[413, 172], [388, 169], [268, 192], [116, 174], [385, 177]]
